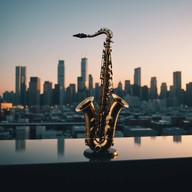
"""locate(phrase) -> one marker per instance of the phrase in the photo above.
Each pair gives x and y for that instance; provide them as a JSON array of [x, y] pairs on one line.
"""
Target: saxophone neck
[[104, 30]]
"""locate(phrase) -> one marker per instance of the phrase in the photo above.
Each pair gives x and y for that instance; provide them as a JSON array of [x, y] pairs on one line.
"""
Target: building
[[177, 80], [127, 87], [97, 91], [176, 92], [119, 89], [9, 96], [90, 81], [137, 76], [61, 80], [163, 93], [188, 95], [56, 96], [144, 93], [70, 94], [153, 88], [81, 94], [79, 84], [90, 90], [84, 72], [136, 91], [34, 91], [20, 85], [47, 93], [61, 73]]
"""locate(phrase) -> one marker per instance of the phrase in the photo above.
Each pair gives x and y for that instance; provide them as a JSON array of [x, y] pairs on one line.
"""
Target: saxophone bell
[[120, 101], [84, 104]]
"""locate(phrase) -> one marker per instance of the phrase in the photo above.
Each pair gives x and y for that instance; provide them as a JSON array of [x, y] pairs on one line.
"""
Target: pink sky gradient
[[153, 35]]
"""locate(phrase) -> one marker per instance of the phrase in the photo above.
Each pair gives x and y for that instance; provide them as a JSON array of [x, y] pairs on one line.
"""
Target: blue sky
[[155, 35]]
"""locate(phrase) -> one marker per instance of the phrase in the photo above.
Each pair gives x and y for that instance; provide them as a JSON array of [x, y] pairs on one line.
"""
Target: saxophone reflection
[[101, 124]]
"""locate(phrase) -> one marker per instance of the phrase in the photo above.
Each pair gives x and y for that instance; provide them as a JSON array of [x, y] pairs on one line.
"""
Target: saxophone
[[101, 124]]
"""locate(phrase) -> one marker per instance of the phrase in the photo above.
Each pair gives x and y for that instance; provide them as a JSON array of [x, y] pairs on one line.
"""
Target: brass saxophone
[[101, 125]]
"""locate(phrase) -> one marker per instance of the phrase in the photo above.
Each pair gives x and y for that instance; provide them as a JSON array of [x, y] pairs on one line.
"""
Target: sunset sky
[[155, 35]]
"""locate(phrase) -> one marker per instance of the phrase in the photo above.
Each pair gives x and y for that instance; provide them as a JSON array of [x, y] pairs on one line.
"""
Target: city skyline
[[153, 35], [137, 74]]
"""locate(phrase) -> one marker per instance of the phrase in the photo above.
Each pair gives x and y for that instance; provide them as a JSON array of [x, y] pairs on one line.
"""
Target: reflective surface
[[71, 150]]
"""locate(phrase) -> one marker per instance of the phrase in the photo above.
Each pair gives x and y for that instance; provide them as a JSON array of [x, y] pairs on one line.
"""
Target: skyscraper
[[61, 80], [153, 88], [177, 80], [56, 95], [80, 84], [90, 81], [177, 91], [84, 71], [20, 85], [47, 93], [137, 76], [188, 100], [61, 73], [81, 93], [34, 91], [136, 87], [163, 93]]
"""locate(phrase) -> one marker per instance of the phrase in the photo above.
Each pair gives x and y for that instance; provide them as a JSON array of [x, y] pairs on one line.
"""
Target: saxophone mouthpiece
[[80, 35]]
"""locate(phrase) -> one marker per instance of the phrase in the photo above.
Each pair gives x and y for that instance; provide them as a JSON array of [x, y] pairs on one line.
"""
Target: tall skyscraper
[[153, 88], [176, 90], [90, 81], [137, 76], [177, 80], [34, 91], [20, 85], [61, 80], [84, 71], [61, 73]]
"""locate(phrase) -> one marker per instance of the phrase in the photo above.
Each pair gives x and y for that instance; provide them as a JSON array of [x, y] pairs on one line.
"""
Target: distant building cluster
[[134, 93], [50, 113]]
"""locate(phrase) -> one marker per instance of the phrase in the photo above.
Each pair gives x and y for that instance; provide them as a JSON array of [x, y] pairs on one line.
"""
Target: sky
[[155, 35]]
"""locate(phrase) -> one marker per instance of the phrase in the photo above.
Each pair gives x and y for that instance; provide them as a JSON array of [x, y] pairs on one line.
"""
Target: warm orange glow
[[6, 105]]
